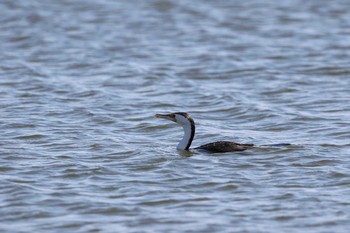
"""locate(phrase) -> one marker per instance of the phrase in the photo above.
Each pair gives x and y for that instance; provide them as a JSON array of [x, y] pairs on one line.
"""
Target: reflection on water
[[80, 83]]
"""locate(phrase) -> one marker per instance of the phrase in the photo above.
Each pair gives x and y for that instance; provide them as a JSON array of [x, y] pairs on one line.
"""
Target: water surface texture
[[81, 151]]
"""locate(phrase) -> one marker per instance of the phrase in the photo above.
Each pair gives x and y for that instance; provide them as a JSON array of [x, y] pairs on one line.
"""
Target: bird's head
[[181, 118]]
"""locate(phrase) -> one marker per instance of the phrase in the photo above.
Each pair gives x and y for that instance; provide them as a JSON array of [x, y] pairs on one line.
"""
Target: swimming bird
[[187, 123]]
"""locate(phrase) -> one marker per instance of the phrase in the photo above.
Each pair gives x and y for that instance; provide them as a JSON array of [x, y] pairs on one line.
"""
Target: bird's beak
[[166, 116]]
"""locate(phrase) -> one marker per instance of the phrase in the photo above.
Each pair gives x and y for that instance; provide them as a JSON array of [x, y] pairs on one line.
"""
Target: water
[[81, 151]]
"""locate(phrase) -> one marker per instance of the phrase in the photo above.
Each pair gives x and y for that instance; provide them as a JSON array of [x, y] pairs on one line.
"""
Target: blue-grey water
[[81, 151]]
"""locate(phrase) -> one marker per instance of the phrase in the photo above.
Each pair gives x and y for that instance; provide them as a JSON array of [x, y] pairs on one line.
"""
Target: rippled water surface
[[81, 151]]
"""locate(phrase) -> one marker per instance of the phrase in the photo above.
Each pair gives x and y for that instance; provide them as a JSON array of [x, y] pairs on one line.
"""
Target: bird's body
[[186, 121], [224, 146]]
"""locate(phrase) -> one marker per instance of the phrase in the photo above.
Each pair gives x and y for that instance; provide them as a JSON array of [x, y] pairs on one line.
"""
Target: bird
[[186, 121]]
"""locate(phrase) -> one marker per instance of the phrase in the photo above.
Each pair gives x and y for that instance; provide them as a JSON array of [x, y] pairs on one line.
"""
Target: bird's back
[[224, 146]]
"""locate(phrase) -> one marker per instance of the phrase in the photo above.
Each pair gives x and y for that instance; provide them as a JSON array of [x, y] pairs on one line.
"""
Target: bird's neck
[[185, 143]]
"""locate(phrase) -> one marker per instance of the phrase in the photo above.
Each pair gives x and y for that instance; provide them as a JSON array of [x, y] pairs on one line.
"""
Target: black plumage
[[224, 146]]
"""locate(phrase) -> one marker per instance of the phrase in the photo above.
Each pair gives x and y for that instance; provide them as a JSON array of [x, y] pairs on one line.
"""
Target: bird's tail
[[278, 145]]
